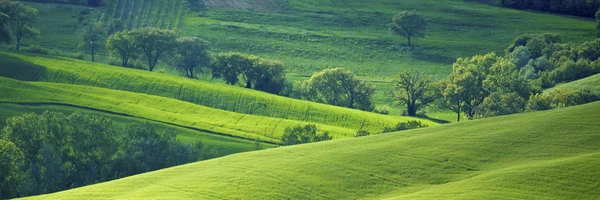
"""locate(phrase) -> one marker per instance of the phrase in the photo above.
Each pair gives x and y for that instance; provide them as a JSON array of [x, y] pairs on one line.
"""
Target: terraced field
[[541, 155], [164, 14]]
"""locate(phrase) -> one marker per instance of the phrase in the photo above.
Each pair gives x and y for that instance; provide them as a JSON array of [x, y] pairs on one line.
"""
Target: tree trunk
[[125, 61], [409, 45], [18, 44], [248, 84], [191, 72], [412, 110], [93, 54]]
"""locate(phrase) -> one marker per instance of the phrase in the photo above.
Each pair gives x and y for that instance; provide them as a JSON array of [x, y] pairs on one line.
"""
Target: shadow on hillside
[[16, 68]]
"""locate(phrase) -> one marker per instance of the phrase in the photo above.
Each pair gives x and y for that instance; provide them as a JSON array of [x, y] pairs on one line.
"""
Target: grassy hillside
[[541, 155], [223, 144], [219, 96], [591, 83]]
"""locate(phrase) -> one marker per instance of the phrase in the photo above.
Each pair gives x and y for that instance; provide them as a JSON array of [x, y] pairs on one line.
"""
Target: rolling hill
[[591, 84], [541, 155], [224, 145], [208, 106]]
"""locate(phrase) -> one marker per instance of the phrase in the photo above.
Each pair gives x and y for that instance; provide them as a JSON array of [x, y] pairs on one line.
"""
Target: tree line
[[53, 151], [492, 85], [584, 8]]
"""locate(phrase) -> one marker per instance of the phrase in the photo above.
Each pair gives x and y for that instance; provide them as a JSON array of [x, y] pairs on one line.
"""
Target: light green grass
[[591, 84], [213, 95], [223, 144], [540, 155]]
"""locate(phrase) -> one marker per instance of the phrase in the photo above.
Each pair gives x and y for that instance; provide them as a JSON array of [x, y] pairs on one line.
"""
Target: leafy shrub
[[413, 124], [538, 102], [36, 49], [77, 55], [384, 109], [362, 133], [303, 134], [571, 70], [497, 104]]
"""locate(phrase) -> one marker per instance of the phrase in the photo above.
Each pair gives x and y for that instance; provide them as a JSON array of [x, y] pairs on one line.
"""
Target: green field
[[541, 155], [310, 36], [223, 144]]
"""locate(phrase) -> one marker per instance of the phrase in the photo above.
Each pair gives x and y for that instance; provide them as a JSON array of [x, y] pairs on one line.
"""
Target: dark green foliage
[[36, 49], [402, 126], [20, 17], [598, 24], [115, 26], [408, 24], [414, 90], [362, 133], [122, 44], [192, 55], [153, 44], [341, 88], [584, 8], [497, 104], [257, 73], [303, 134], [54, 152]]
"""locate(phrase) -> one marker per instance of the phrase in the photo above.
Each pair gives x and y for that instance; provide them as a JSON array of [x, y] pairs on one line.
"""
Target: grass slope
[[591, 84], [541, 155], [219, 96], [223, 144]]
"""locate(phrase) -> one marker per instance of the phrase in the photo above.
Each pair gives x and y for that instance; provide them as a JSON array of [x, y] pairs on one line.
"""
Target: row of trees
[[585, 8], [53, 152], [491, 85]]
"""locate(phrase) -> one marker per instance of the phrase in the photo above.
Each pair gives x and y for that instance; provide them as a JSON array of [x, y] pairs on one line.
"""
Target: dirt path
[[258, 5]]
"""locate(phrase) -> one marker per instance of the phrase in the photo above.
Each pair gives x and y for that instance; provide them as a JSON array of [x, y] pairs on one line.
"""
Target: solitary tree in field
[[413, 90], [93, 38], [121, 44], [20, 16], [408, 24], [192, 52], [341, 88], [154, 43]]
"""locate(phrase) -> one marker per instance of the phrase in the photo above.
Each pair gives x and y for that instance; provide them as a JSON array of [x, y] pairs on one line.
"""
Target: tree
[[269, 76], [230, 66], [464, 90], [413, 90], [11, 162], [154, 43], [341, 88], [192, 52], [20, 18], [497, 104], [93, 38], [598, 24], [4, 29], [116, 26], [122, 44], [408, 24]]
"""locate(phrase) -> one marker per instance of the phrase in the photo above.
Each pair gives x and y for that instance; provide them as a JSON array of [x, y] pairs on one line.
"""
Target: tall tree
[[154, 43], [341, 88], [269, 76], [192, 52], [93, 38], [20, 18], [11, 162], [413, 90], [122, 44], [408, 24]]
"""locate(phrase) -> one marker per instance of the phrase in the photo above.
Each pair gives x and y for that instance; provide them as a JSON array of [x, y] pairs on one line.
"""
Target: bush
[[413, 124], [36, 49], [384, 109], [362, 133], [78, 55], [303, 134], [497, 104], [571, 70]]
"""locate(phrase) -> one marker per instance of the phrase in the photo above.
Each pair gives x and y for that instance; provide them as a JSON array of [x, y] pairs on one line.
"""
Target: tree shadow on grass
[[16, 68]]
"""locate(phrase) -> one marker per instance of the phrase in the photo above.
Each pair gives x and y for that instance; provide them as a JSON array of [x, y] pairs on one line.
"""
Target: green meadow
[[541, 155]]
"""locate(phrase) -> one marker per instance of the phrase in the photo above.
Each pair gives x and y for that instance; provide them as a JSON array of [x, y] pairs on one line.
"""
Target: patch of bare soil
[[258, 5]]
